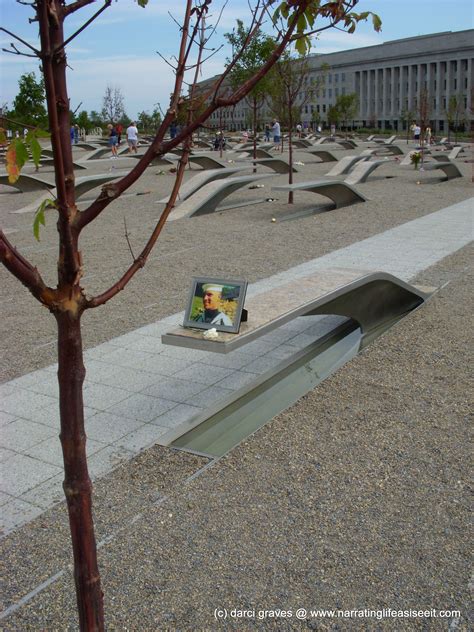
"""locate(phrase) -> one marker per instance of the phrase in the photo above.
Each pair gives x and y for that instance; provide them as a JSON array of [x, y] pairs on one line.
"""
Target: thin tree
[[347, 106], [407, 116], [290, 77], [424, 111], [254, 56], [113, 104], [455, 113], [68, 300]]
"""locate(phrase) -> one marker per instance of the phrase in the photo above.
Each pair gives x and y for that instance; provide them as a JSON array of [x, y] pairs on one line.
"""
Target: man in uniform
[[212, 306]]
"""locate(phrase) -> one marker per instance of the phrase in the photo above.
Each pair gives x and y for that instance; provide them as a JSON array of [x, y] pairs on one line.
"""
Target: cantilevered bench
[[82, 185], [388, 141], [450, 169], [361, 171], [50, 161], [207, 162], [260, 153], [27, 183], [347, 144], [338, 191], [452, 155], [207, 198], [301, 143], [372, 299], [345, 165], [278, 165], [323, 154], [202, 178], [390, 149]]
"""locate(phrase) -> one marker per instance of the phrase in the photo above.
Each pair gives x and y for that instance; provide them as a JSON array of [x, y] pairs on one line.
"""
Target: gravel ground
[[240, 243], [355, 497]]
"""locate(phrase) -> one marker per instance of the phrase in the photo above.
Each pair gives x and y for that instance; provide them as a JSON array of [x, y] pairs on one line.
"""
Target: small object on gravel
[[301, 164], [172, 170], [160, 173], [418, 182], [211, 334], [257, 186], [273, 220], [270, 199], [143, 192]]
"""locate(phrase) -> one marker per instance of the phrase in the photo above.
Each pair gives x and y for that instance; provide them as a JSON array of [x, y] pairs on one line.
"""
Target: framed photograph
[[215, 303]]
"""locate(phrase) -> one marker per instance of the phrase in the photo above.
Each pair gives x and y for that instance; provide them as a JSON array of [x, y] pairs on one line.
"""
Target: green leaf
[[39, 216], [21, 153], [35, 149], [377, 22], [142, 3]]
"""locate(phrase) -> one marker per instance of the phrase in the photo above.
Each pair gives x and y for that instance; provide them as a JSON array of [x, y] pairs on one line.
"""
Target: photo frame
[[215, 303]]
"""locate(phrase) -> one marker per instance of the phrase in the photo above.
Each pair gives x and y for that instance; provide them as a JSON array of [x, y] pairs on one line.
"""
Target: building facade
[[393, 81]]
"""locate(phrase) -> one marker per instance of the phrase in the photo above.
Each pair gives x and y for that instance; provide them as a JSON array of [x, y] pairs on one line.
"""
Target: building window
[[336, 78], [318, 109], [329, 78], [343, 75], [330, 92], [455, 83], [324, 107], [336, 92], [465, 83], [343, 91]]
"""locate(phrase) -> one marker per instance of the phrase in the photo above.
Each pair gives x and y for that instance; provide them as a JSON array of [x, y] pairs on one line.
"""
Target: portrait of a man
[[211, 300], [215, 303]]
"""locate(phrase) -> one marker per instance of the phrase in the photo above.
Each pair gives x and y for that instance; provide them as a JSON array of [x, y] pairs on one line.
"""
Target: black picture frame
[[229, 305]]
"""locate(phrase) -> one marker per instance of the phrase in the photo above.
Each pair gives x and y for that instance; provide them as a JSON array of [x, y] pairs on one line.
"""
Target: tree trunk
[[255, 132], [77, 484], [290, 148]]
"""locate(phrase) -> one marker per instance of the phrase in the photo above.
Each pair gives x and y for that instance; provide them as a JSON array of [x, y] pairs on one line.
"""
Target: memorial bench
[[372, 299], [340, 193], [449, 168], [81, 185], [202, 178], [452, 155], [206, 199], [324, 155]]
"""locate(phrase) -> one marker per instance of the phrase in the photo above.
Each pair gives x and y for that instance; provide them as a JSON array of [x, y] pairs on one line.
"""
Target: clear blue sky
[[119, 49]]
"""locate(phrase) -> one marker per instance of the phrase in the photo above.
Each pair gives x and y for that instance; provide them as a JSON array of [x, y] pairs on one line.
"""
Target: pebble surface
[[355, 497]]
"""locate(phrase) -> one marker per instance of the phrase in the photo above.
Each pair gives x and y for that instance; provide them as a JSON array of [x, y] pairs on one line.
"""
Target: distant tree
[[423, 112], [455, 114], [291, 75], [82, 119], [113, 104], [95, 119], [407, 116], [29, 104], [254, 55], [149, 123], [334, 116], [347, 106]]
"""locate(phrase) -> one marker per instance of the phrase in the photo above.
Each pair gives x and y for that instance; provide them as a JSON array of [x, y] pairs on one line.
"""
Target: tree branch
[[37, 52], [75, 6], [23, 270], [84, 26]]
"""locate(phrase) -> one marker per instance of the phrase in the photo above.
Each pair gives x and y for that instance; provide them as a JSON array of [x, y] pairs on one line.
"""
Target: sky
[[119, 49]]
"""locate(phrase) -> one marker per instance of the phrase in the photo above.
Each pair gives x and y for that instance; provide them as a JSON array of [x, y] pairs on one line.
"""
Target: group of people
[[415, 129], [115, 137]]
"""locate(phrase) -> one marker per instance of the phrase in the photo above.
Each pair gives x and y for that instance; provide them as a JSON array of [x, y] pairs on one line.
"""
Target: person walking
[[113, 140], [132, 137], [276, 132], [428, 135]]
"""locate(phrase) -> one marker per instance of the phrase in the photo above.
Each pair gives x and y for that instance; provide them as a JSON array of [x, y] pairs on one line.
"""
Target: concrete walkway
[[137, 389]]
